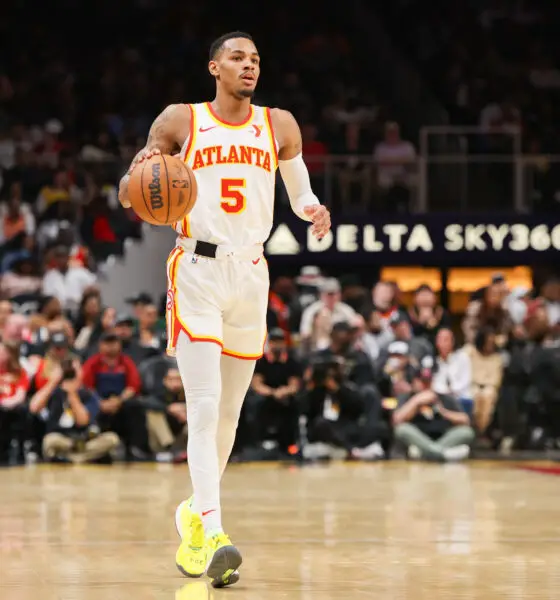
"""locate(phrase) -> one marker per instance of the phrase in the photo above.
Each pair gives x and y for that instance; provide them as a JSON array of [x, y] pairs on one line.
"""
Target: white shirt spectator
[[68, 287], [392, 161], [493, 116], [453, 376]]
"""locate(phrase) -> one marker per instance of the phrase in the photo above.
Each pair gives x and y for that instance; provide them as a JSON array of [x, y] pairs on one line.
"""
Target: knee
[[202, 413], [467, 433], [403, 430], [110, 440]]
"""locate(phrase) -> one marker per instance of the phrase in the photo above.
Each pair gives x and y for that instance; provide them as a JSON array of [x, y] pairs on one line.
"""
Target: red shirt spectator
[[111, 373]]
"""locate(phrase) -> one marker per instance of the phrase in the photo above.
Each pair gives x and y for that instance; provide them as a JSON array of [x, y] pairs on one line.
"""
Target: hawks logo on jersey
[[237, 155]]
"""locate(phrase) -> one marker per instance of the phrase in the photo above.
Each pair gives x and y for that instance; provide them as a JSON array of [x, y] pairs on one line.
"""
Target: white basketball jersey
[[235, 168]]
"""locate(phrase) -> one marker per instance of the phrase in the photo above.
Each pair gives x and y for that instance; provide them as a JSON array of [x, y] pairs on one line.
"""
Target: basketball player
[[218, 278]]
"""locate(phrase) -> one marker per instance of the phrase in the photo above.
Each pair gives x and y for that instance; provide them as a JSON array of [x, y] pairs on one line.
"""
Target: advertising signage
[[431, 240]]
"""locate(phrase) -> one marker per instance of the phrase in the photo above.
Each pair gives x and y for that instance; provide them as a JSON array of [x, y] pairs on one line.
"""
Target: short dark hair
[[218, 44]]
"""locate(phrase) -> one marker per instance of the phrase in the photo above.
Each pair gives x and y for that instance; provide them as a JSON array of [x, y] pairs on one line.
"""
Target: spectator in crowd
[[14, 383], [433, 427], [318, 318], [65, 282], [105, 324], [21, 276], [488, 313], [5, 311], [333, 408], [371, 336], [16, 219], [419, 347], [71, 435], [383, 301], [550, 293], [271, 410], [395, 160], [115, 379], [452, 376], [148, 337], [426, 315], [89, 313], [355, 363], [486, 378], [167, 417], [399, 377]]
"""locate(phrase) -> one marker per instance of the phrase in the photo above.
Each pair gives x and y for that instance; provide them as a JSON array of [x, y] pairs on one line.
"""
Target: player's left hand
[[321, 219]]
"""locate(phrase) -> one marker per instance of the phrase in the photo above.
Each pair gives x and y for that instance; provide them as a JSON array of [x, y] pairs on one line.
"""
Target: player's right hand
[[142, 155]]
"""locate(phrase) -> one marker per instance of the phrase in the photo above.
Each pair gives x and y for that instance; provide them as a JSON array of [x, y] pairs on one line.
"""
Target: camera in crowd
[[68, 370], [327, 369]]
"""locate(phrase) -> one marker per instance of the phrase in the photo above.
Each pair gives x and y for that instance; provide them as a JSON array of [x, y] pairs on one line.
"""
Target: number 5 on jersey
[[233, 200]]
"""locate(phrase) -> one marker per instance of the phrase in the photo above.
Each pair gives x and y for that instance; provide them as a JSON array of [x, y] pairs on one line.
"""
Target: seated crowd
[[346, 374]]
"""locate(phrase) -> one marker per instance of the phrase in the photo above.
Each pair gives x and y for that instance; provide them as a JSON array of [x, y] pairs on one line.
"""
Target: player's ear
[[213, 68]]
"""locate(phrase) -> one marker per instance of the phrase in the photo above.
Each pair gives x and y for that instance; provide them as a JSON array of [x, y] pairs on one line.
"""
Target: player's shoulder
[[284, 122], [176, 112]]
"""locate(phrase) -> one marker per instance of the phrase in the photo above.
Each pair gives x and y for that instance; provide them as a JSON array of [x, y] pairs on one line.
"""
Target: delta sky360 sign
[[431, 240]]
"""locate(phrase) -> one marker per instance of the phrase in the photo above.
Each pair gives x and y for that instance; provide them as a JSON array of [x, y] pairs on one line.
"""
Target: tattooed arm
[[168, 131]]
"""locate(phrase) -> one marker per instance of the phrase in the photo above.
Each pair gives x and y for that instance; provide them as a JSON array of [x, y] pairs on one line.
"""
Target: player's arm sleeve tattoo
[[162, 136], [292, 167]]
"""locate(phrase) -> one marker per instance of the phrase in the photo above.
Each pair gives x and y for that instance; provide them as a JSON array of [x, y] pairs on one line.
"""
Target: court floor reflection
[[394, 530]]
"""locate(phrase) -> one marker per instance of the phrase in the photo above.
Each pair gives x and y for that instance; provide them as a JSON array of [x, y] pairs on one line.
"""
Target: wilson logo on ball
[[156, 201]]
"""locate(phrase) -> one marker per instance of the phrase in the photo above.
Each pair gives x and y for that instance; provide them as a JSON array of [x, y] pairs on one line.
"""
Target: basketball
[[162, 189]]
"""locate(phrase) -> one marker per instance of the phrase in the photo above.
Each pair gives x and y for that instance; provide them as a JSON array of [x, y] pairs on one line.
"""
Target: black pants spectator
[[12, 427], [269, 419], [129, 423], [342, 434]]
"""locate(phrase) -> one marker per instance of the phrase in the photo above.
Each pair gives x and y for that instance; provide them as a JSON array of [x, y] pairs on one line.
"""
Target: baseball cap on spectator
[[310, 276], [330, 286], [59, 340], [109, 336], [141, 298], [398, 348], [124, 319]]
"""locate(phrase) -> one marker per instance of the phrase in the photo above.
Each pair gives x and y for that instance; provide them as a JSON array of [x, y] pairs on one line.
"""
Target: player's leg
[[236, 379], [199, 366]]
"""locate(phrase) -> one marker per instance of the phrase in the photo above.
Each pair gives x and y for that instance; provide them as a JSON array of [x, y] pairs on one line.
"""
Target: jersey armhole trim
[[192, 134], [271, 137]]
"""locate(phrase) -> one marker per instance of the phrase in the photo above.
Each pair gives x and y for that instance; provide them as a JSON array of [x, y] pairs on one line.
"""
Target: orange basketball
[[162, 189]]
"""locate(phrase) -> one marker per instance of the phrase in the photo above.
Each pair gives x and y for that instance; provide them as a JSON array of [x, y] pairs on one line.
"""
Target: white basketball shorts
[[219, 300]]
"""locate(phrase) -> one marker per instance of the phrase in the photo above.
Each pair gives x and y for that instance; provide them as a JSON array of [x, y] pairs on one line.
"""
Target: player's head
[[235, 63]]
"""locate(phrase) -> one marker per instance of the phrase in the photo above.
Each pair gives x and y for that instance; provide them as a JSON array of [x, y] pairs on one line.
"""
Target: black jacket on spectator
[[348, 400]]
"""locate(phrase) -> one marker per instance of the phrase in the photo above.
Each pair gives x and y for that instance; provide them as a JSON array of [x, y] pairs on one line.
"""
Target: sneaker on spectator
[[506, 446], [414, 453], [164, 457], [337, 453], [457, 453], [372, 452], [316, 451]]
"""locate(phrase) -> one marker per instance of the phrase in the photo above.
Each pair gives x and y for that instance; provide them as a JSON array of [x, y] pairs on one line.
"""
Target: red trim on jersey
[[223, 122]]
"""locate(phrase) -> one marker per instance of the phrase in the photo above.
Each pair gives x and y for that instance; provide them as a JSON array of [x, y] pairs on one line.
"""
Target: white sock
[[199, 365], [236, 378]]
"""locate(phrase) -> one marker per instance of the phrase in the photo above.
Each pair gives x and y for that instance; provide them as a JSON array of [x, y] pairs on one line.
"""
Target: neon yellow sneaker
[[223, 561], [191, 556]]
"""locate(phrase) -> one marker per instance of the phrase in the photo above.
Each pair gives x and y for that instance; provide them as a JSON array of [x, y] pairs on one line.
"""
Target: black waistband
[[205, 249]]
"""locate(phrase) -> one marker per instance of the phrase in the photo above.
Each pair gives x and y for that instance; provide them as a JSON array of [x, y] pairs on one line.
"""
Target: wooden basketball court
[[386, 531]]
